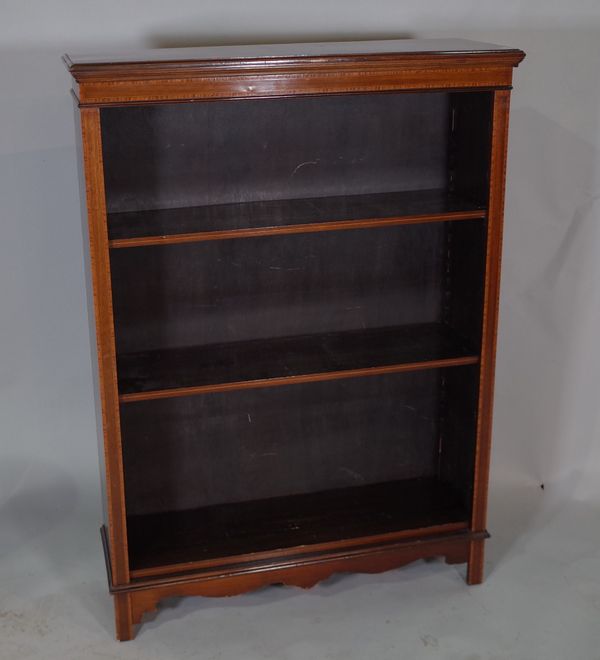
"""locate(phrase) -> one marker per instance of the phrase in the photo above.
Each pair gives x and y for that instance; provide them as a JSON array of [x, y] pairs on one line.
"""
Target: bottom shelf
[[170, 542]]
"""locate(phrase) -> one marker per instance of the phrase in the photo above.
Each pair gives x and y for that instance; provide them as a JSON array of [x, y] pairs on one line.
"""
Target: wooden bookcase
[[294, 268]]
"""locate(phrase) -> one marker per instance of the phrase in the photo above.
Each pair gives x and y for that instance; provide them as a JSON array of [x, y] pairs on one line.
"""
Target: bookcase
[[293, 265]]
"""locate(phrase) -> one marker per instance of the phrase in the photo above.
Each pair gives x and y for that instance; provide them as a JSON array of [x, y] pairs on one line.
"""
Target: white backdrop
[[547, 413]]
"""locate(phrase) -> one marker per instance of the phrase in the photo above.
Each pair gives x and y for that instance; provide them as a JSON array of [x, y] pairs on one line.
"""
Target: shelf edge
[[313, 227], [296, 380], [464, 535], [298, 550]]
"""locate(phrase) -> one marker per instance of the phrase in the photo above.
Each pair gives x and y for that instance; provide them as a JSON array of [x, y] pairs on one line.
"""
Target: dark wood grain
[[266, 558], [202, 154], [249, 219], [262, 288], [469, 148], [296, 520], [197, 451], [463, 279], [279, 361], [284, 286], [458, 398]]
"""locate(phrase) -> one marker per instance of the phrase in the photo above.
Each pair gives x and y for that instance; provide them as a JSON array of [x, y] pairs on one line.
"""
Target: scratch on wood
[[301, 165]]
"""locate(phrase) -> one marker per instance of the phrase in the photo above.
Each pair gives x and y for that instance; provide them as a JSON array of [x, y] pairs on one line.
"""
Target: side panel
[[106, 382], [90, 306], [489, 332]]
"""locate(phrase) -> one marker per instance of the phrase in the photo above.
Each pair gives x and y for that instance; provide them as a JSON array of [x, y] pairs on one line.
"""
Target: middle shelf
[[280, 361]]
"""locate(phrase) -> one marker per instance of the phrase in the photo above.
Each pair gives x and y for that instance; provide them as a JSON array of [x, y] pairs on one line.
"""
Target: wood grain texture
[[152, 60], [277, 525], [339, 225], [269, 555], [225, 292], [105, 341], [295, 216], [475, 562], [288, 360], [283, 84], [297, 380], [264, 151], [89, 290], [220, 74], [209, 291], [490, 327], [456, 538], [254, 445], [124, 616], [304, 572]]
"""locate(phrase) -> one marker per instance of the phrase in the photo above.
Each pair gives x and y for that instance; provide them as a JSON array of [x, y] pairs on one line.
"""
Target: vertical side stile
[[499, 143], [99, 268]]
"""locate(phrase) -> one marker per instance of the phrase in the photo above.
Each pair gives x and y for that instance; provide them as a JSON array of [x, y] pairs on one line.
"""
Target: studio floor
[[541, 599]]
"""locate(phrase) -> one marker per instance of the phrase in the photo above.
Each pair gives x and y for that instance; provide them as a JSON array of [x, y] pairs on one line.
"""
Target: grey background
[[542, 599]]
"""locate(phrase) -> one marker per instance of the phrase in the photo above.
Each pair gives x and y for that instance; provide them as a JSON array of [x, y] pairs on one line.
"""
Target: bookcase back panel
[[240, 446], [227, 291], [463, 284], [458, 429], [469, 144], [178, 155]]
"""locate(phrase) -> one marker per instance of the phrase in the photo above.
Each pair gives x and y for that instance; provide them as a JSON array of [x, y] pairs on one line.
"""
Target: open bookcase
[[294, 265]]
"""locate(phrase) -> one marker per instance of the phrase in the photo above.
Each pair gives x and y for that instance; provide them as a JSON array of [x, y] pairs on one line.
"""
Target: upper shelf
[[289, 216]]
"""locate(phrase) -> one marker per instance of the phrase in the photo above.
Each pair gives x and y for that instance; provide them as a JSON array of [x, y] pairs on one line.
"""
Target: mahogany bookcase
[[294, 264]]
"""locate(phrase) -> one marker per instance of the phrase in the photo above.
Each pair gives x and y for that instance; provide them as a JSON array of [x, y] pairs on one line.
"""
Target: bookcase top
[[271, 70], [395, 48]]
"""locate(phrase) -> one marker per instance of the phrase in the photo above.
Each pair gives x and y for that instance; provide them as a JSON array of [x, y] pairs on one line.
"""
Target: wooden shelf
[[286, 360], [290, 216], [166, 542]]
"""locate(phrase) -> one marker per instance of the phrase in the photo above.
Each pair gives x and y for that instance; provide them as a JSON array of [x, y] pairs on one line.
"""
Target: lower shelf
[[171, 542]]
